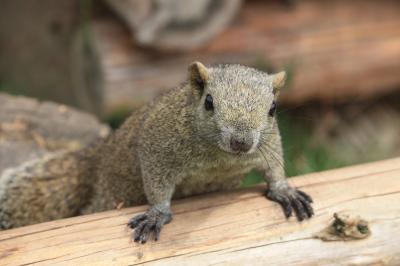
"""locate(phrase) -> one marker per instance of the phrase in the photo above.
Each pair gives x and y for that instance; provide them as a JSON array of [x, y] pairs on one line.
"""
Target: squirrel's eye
[[273, 109], [208, 103]]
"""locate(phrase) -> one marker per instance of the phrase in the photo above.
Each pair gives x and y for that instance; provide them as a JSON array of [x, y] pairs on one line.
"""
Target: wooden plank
[[235, 228], [333, 50]]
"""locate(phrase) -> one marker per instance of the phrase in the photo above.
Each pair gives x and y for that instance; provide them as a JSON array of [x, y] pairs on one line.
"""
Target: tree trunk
[[43, 52]]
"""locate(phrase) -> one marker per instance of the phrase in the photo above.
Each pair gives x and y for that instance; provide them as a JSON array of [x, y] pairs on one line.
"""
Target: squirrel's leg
[[159, 193], [279, 189]]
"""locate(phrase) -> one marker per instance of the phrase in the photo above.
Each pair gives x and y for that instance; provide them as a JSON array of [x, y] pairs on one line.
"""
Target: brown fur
[[170, 147]]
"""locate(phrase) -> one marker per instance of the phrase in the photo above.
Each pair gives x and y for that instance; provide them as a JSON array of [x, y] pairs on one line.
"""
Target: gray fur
[[174, 147]]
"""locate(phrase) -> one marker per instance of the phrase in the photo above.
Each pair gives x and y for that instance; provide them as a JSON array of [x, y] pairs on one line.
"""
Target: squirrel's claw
[[135, 221], [292, 199], [144, 224]]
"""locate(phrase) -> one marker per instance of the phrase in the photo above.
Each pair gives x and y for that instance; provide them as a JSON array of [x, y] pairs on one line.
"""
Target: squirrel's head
[[235, 104]]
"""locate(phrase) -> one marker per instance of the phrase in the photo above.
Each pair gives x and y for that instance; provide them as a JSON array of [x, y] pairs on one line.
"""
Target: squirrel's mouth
[[238, 143], [239, 151]]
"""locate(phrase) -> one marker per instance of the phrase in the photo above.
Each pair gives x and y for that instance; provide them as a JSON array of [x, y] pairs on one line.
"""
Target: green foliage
[[116, 119], [264, 64], [302, 154], [85, 9], [4, 88], [252, 178]]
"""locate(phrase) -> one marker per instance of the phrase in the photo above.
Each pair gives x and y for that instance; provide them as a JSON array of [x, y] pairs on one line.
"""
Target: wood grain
[[332, 50], [235, 228]]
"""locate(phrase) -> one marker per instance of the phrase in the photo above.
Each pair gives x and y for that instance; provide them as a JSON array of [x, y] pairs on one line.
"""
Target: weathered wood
[[174, 24], [237, 228], [333, 50], [30, 130]]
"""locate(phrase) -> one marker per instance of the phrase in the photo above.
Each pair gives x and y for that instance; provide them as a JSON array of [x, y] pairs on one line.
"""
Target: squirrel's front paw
[[151, 221], [290, 199]]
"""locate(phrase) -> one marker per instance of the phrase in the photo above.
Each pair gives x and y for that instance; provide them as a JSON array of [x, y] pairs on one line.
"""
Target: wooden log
[[44, 52], [333, 50], [235, 228], [30, 130], [175, 24]]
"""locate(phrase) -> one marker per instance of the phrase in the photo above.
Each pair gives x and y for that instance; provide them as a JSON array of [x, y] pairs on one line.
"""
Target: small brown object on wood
[[345, 227], [239, 227]]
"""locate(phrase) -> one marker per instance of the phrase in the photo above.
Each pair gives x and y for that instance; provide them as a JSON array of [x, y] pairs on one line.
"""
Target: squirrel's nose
[[240, 144]]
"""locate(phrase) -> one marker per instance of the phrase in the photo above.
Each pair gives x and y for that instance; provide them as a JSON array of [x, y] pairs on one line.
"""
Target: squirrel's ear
[[278, 81], [198, 75]]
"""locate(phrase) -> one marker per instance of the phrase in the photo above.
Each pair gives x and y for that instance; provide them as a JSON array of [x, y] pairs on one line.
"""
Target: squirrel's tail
[[43, 189]]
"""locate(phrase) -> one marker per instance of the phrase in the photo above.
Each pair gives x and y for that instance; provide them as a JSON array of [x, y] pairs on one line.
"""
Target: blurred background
[[341, 105]]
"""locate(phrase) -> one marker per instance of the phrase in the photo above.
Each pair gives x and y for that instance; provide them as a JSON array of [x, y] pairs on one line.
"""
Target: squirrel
[[202, 136]]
